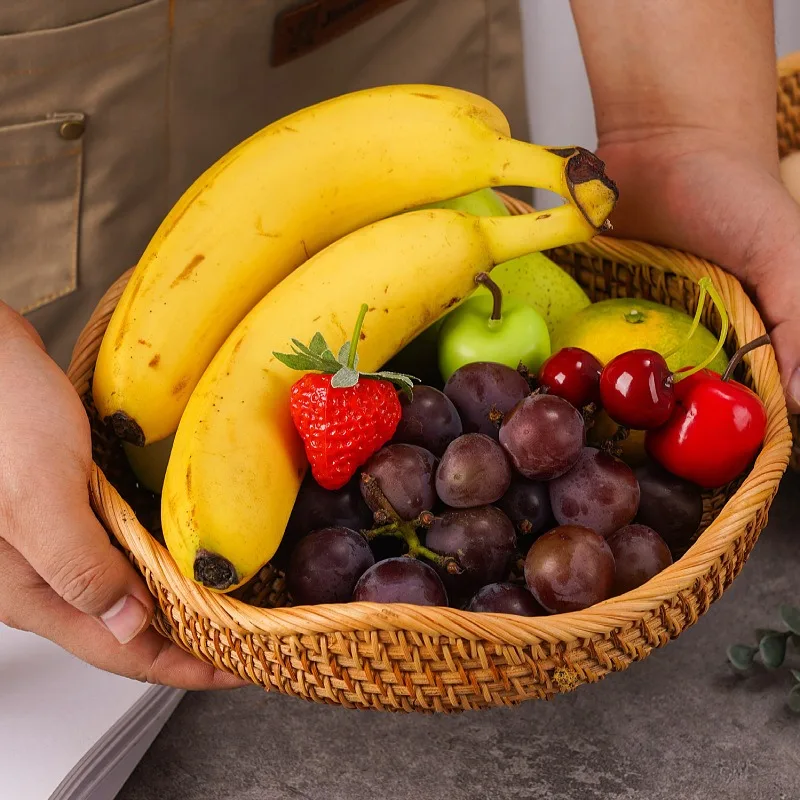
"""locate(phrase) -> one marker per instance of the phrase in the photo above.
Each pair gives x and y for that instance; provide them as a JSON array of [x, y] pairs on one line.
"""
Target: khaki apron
[[109, 109]]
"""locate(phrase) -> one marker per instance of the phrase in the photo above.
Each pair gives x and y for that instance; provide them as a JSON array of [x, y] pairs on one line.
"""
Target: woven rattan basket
[[411, 658], [789, 142]]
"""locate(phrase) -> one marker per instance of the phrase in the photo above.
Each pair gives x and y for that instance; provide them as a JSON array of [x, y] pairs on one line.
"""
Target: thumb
[[72, 553], [786, 341]]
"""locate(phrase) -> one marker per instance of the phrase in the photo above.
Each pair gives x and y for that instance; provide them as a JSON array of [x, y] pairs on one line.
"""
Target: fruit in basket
[[639, 554], [231, 238], [483, 202], [527, 505], [405, 474], [569, 568], [237, 461], [401, 580], [483, 541], [716, 430], [316, 508], [343, 416], [474, 471], [325, 566], [149, 464], [429, 419], [630, 447], [610, 327], [487, 328], [483, 392], [505, 598], [543, 435], [599, 492], [670, 505], [573, 374]]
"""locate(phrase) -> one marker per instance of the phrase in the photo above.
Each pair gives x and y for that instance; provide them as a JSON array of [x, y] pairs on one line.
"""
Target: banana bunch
[[288, 234]]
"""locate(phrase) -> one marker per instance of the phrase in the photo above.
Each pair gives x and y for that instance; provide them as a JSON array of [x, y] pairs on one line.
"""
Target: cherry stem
[[717, 300], [695, 322], [742, 352], [351, 356], [497, 294]]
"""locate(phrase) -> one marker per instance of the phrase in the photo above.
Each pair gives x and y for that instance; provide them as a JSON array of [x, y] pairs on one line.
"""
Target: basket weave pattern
[[409, 658]]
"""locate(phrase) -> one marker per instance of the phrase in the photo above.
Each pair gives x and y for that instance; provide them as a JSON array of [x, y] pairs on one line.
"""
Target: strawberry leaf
[[344, 378], [318, 346], [298, 361], [344, 355]]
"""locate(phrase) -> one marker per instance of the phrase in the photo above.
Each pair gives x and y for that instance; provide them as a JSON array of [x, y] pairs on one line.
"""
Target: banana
[[278, 198], [237, 460]]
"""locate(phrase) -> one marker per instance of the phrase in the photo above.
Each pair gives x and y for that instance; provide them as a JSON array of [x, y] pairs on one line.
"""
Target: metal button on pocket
[[72, 128]]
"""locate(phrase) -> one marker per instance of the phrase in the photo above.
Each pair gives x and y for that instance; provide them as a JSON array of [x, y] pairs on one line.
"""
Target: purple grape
[[474, 471], [639, 553], [669, 505], [543, 435], [506, 598], [483, 392], [600, 492], [401, 580], [569, 568], [429, 420], [325, 566], [481, 539], [405, 474], [317, 508], [527, 505]]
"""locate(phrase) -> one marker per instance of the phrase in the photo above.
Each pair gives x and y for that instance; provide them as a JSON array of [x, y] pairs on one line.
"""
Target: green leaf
[[299, 361], [795, 674], [344, 377], [344, 354], [318, 345], [794, 698], [791, 616], [773, 650], [741, 655]]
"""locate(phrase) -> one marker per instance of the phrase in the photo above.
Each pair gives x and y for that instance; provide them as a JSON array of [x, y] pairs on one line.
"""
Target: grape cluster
[[489, 499]]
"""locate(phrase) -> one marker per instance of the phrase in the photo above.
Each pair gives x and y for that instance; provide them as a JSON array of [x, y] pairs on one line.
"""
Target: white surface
[[53, 710]]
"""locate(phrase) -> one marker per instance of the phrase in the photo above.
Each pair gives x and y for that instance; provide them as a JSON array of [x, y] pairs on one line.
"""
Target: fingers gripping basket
[[410, 658], [788, 116]]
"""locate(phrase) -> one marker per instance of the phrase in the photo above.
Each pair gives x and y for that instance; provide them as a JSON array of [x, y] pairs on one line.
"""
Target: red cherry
[[572, 374], [716, 430], [636, 389]]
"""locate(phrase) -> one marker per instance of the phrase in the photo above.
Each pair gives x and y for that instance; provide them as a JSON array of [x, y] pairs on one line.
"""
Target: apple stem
[[497, 294], [695, 322], [742, 352], [705, 283]]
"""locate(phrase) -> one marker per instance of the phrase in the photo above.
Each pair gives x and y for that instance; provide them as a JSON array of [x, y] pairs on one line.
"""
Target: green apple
[[149, 463], [482, 203], [485, 327]]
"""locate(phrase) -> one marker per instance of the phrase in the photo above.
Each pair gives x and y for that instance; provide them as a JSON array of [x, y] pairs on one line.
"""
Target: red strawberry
[[342, 416]]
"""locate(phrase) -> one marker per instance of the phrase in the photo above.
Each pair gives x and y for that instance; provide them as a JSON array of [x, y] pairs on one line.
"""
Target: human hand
[[699, 191], [61, 576]]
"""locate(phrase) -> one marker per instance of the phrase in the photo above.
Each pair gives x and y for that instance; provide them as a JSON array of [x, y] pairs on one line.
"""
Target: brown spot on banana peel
[[425, 95], [189, 479], [595, 201], [180, 386], [145, 342], [188, 270], [126, 428], [214, 571], [154, 361]]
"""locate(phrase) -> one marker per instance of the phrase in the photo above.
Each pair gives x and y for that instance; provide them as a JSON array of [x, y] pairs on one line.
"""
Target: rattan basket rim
[[226, 612], [789, 64]]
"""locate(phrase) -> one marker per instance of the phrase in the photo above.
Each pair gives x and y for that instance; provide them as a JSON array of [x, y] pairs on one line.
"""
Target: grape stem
[[406, 530], [497, 294]]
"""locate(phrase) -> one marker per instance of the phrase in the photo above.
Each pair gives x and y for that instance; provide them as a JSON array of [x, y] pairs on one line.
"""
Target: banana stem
[[351, 356], [714, 295], [497, 294], [514, 236]]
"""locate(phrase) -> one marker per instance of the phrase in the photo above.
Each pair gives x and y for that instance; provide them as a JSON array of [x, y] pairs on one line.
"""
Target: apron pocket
[[41, 164]]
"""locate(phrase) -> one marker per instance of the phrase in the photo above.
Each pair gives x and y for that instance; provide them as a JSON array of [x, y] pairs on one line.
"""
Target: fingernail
[[126, 619], [794, 390]]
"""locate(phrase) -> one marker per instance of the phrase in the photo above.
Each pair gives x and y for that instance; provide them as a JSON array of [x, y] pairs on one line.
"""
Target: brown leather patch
[[301, 30]]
